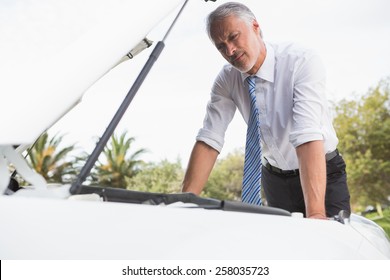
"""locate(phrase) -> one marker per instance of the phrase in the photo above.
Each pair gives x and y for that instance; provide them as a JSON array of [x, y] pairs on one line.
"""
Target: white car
[[76, 221]]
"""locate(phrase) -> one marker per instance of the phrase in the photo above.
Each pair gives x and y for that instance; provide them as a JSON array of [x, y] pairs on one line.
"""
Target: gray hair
[[230, 9]]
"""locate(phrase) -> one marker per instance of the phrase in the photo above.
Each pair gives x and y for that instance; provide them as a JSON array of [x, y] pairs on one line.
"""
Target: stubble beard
[[244, 67]]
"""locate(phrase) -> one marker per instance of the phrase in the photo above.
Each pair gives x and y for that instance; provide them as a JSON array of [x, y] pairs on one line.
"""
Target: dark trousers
[[285, 191]]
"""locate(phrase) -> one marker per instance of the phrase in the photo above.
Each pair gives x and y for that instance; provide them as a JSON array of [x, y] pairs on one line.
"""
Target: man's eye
[[234, 37], [220, 47]]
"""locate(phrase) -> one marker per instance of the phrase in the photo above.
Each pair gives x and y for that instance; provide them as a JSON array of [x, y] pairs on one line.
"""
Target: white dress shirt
[[290, 92]]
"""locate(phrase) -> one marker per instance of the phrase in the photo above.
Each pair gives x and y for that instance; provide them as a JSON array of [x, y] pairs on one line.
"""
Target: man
[[302, 170]]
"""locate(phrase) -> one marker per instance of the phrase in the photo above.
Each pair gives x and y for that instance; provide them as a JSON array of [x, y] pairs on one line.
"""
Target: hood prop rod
[[85, 171]]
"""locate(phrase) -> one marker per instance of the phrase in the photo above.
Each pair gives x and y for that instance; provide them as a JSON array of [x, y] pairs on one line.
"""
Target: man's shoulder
[[292, 51], [290, 48], [228, 79]]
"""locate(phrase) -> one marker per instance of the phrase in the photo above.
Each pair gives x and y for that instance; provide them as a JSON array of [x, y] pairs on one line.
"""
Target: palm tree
[[118, 164], [50, 161]]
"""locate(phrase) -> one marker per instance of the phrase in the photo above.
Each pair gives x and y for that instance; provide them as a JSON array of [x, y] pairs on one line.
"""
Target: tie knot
[[250, 79]]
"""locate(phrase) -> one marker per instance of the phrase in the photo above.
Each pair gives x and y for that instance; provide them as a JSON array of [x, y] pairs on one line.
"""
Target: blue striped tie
[[251, 184]]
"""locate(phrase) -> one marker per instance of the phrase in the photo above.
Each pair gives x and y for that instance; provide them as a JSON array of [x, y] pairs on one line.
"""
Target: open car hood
[[51, 54]]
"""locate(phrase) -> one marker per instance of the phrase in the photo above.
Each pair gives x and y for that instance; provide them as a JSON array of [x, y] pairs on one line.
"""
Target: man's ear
[[256, 28], [256, 25]]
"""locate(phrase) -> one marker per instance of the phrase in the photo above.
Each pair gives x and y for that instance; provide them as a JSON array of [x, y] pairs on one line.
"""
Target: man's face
[[239, 43]]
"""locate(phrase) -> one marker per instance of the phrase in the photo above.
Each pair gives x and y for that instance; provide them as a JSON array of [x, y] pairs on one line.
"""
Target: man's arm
[[312, 168], [201, 163]]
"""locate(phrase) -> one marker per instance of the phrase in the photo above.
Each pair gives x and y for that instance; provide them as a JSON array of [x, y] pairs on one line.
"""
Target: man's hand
[[318, 216]]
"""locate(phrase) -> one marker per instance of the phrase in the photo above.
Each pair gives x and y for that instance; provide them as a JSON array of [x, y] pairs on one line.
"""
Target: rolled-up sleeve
[[309, 101], [219, 113]]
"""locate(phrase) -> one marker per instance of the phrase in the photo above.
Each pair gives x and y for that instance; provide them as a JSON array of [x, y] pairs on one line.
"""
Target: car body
[[45, 221]]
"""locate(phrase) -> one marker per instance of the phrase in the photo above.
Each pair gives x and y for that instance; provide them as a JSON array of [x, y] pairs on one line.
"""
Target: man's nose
[[230, 49]]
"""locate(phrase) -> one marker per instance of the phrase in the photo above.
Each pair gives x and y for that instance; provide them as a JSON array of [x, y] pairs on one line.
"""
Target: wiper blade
[[137, 197]]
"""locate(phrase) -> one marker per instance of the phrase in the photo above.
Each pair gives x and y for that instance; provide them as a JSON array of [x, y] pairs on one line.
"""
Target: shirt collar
[[266, 71]]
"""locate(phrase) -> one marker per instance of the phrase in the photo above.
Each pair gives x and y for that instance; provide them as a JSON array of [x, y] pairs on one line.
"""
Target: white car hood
[[51, 52]]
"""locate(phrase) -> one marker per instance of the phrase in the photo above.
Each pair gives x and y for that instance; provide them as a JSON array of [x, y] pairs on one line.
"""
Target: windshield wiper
[[137, 197]]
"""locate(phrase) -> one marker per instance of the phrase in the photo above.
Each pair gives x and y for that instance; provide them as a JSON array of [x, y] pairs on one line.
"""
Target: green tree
[[363, 127], [51, 161], [164, 177], [225, 180], [118, 163]]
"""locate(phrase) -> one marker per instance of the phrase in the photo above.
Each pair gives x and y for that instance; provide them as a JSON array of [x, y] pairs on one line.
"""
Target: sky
[[352, 37]]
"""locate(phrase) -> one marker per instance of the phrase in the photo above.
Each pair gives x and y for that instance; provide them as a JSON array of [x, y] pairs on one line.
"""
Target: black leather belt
[[293, 172], [280, 171], [331, 155]]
